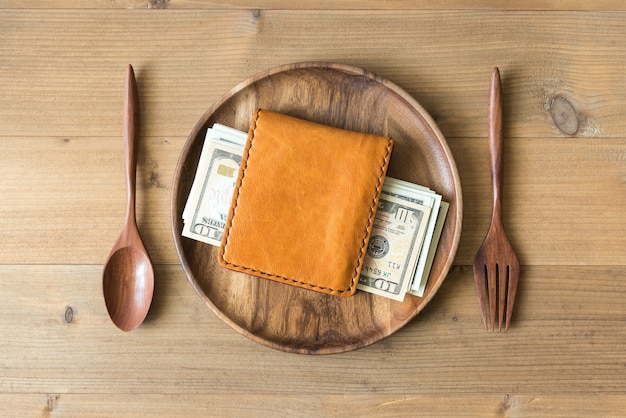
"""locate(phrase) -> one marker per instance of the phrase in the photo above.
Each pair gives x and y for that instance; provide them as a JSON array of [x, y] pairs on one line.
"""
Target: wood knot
[[52, 401], [68, 315], [157, 4], [564, 115], [154, 180], [506, 404]]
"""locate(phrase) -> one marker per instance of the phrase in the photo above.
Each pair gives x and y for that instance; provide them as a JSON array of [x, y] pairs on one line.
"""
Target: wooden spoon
[[128, 278]]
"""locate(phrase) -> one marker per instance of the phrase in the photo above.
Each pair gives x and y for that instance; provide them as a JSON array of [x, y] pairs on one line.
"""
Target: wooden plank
[[62, 79], [253, 405], [563, 198], [69, 202], [319, 4], [561, 342]]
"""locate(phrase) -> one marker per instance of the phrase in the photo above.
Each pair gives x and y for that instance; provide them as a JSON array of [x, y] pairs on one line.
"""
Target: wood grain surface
[[63, 203], [570, 5]]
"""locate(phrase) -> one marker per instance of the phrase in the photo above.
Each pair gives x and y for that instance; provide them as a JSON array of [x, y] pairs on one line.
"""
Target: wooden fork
[[496, 266]]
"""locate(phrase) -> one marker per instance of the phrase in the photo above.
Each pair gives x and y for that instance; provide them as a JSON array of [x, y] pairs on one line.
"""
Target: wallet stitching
[[370, 219], [363, 242]]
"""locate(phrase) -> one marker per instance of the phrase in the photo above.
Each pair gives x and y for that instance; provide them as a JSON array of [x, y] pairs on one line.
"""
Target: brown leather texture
[[304, 203]]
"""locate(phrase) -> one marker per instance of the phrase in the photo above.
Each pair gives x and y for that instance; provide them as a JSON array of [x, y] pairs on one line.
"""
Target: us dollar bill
[[217, 135], [420, 194], [394, 247], [206, 210], [419, 286]]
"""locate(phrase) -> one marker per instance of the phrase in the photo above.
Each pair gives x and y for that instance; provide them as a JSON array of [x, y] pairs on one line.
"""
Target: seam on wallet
[[237, 189], [370, 219], [289, 279]]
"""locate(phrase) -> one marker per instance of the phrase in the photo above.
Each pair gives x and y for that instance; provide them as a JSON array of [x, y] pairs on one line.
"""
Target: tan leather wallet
[[304, 203]]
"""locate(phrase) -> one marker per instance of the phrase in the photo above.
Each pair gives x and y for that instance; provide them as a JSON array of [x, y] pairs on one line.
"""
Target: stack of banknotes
[[404, 238]]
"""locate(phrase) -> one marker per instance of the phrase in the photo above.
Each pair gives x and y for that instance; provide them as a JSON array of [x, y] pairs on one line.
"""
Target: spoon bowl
[[128, 277]]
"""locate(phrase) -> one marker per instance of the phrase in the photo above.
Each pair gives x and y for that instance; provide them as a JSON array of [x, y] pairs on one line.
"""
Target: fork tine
[[480, 278], [492, 280], [511, 292], [503, 276]]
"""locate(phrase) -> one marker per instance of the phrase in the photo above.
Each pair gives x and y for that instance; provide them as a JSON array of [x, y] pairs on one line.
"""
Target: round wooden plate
[[293, 319]]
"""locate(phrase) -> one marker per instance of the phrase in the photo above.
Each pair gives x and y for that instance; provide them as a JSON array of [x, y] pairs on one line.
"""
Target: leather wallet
[[304, 203]]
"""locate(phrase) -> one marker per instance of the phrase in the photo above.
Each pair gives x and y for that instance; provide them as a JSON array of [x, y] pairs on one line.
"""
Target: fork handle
[[496, 144]]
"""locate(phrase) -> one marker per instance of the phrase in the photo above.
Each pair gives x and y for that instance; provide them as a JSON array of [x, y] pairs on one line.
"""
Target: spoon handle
[[496, 143], [131, 132]]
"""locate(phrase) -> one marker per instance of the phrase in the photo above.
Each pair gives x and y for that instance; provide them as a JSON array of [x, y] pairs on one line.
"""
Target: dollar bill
[[218, 134], [419, 286], [206, 210], [394, 247], [422, 195]]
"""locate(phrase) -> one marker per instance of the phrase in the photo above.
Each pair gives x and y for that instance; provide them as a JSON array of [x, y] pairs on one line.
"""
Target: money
[[393, 249], [418, 286], [425, 196], [221, 135], [407, 226], [206, 210]]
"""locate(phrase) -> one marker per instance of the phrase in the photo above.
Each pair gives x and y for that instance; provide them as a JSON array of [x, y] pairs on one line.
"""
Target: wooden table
[[62, 68]]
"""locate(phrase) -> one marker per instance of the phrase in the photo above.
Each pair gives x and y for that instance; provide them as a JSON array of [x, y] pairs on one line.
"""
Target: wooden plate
[[297, 320]]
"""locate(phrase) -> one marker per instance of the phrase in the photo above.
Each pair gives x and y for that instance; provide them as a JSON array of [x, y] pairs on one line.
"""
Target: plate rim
[[200, 125]]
